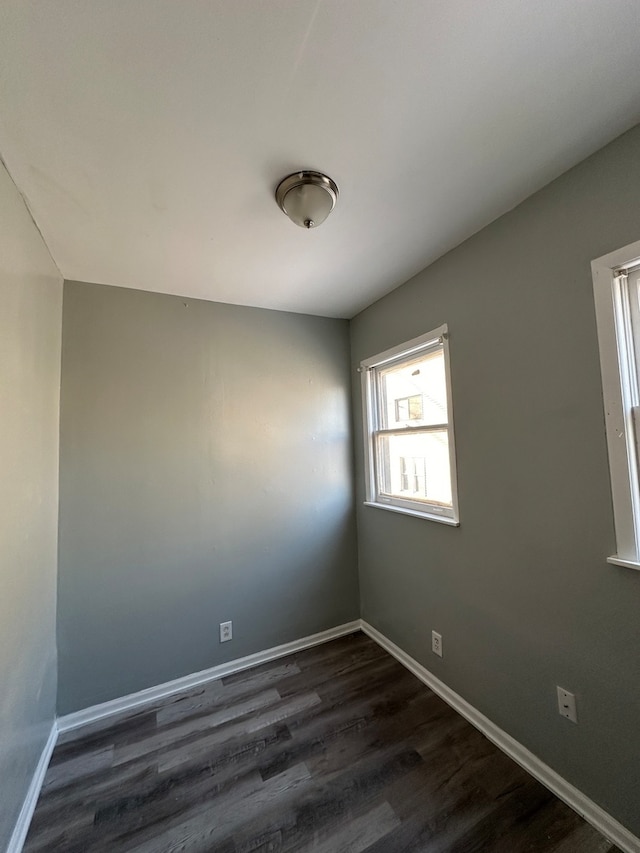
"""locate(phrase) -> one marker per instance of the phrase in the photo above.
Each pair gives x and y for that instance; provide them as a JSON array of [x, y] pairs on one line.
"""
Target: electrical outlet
[[567, 705], [436, 643], [226, 631]]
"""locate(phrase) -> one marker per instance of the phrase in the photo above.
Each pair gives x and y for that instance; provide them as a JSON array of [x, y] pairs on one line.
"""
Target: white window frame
[[620, 394], [423, 343]]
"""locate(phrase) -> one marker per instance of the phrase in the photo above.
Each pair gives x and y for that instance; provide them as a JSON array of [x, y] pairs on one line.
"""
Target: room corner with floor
[[337, 747], [239, 611]]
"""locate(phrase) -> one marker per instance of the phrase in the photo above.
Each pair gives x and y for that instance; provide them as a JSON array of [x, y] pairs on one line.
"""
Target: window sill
[[626, 564], [441, 519]]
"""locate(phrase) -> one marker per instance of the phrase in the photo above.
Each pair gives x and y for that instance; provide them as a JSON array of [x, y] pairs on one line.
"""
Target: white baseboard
[[19, 834], [586, 808], [160, 691]]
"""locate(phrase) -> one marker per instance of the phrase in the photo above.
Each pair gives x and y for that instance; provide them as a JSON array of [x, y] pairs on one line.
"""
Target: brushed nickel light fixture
[[307, 197]]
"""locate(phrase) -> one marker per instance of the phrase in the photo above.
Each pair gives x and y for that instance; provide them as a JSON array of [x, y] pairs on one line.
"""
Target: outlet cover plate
[[436, 643], [567, 705], [226, 631]]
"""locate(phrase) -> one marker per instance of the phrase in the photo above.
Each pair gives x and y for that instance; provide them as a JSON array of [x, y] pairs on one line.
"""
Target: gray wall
[[205, 475], [521, 591], [30, 326]]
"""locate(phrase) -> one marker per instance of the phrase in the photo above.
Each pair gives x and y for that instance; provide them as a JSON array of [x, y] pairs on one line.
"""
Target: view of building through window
[[409, 408], [414, 458]]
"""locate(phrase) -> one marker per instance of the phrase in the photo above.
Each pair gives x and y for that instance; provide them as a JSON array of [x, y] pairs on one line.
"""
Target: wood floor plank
[[74, 769], [359, 834], [192, 702], [70, 821], [584, 839], [274, 714], [124, 723], [168, 796], [186, 729], [334, 749], [205, 698], [327, 803], [202, 828], [96, 790]]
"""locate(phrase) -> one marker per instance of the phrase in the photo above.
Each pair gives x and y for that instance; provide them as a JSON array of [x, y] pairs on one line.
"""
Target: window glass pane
[[415, 466], [414, 393], [633, 283]]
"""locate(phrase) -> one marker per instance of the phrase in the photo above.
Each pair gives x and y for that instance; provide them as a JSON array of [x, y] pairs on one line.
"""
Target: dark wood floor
[[337, 748]]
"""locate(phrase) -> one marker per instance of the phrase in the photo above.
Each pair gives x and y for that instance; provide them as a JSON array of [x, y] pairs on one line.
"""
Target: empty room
[[319, 394]]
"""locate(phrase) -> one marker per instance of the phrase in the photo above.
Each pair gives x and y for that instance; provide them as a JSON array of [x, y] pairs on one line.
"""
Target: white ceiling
[[148, 135]]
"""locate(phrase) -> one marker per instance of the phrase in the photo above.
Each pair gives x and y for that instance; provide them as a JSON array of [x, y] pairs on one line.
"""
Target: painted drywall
[[521, 592], [205, 476], [30, 330]]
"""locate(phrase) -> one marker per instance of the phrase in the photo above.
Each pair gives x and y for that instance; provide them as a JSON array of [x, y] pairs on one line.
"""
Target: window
[[408, 429], [616, 283]]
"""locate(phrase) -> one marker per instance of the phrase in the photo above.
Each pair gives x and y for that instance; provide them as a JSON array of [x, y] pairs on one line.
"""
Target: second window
[[411, 462]]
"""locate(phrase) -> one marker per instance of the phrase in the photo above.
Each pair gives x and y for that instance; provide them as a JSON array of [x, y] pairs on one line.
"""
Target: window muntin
[[410, 454]]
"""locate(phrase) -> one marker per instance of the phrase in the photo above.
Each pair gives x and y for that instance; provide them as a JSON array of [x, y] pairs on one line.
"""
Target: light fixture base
[[302, 178]]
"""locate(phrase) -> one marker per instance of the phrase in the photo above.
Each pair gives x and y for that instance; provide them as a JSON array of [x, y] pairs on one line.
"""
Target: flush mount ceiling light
[[307, 197]]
